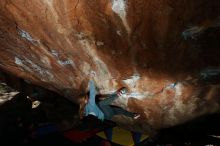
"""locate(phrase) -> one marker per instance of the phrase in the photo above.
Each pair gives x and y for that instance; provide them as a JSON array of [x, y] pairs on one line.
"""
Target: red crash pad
[[79, 135]]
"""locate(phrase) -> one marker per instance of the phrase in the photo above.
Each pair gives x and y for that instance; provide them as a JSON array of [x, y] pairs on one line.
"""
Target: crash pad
[[122, 136], [79, 136], [81, 133]]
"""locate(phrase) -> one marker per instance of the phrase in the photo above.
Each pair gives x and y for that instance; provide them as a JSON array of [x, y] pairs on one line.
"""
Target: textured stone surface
[[155, 48]]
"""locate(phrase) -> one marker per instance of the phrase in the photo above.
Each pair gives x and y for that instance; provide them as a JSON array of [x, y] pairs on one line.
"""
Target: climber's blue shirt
[[91, 108]]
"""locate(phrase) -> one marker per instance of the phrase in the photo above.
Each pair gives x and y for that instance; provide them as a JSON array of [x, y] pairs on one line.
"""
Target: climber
[[110, 110], [103, 109]]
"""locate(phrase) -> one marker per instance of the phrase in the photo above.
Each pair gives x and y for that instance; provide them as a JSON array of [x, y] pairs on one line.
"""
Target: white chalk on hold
[[99, 43], [35, 104], [26, 35], [18, 61], [92, 73], [119, 7], [66, 62]]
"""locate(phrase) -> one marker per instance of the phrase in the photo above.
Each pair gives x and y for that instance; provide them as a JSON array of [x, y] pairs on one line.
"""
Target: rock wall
[[158, 49]]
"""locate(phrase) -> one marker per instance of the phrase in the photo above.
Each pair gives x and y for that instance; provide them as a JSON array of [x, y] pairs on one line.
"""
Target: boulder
[[165, 52]]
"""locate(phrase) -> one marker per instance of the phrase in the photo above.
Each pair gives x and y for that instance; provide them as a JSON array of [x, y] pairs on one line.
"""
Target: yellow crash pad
[[122, 136]]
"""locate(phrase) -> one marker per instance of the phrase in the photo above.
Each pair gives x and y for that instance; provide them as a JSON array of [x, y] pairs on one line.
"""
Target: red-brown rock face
[[155, 48]]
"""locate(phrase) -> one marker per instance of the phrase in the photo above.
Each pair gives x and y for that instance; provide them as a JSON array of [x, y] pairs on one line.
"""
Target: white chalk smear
[[119, 7], [26, 36], [132, 80], [66, 62]]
